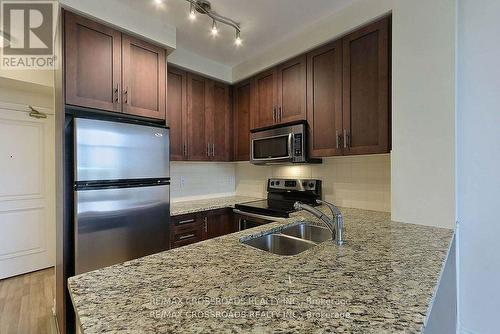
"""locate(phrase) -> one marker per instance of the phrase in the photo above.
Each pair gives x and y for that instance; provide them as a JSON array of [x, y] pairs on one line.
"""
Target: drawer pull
[[187, 221], [187, 236]]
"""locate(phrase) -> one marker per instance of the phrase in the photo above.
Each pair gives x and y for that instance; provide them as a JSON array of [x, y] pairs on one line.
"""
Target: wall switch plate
[[182, 181]]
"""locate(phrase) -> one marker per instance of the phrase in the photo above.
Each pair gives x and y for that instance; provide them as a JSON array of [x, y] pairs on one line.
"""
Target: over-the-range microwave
[[283, 144]]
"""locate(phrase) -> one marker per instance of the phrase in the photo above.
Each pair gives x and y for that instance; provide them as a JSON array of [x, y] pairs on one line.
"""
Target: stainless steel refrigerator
[[121, 192]]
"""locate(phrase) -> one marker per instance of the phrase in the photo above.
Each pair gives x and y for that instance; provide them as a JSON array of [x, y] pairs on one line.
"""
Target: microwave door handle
[[290, 146]]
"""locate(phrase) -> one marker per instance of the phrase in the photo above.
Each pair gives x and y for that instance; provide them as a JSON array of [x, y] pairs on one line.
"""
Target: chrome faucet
[[336, 226]]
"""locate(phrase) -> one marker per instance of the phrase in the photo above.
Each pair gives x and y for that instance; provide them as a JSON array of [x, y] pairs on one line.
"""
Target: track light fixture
[[237, 40], [215, 31], [192, 13], [204, 7]]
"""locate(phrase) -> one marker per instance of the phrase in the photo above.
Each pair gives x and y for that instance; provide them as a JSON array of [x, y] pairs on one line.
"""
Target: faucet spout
[[339, 221], [336, 226]]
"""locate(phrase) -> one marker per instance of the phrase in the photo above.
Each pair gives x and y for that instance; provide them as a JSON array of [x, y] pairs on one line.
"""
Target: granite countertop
[[381, 280], [180, 208]]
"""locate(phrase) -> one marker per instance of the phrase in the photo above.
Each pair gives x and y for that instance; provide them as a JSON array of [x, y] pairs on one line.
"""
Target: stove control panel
[[293, 184]]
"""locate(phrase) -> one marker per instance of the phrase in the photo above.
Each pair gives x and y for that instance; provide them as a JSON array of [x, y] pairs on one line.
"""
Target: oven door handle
[[255, 215]]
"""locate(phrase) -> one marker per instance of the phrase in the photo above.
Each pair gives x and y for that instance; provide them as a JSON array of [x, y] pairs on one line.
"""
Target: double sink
[[291, 240]]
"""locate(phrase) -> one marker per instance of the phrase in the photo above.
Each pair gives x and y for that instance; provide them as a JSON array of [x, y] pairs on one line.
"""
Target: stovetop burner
[[281, 196]]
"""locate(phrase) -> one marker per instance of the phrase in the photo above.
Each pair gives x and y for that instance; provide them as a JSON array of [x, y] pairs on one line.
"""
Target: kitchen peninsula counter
[[382, 279]]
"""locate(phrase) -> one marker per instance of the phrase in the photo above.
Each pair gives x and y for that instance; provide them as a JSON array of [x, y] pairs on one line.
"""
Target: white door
[[27, 191]]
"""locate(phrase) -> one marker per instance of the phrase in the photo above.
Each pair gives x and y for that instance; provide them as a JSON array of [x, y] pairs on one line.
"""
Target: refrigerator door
[[107, 150], [113, 225]]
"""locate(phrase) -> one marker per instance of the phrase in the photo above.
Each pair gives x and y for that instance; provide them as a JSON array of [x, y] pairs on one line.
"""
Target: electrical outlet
[[182, 181]]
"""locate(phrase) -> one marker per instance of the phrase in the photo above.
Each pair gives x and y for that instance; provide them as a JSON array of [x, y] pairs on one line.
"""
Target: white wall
[[361, 182], [478, 165], [196, 63], [197, 180], [423, 100], [21, 92], [37, 77]]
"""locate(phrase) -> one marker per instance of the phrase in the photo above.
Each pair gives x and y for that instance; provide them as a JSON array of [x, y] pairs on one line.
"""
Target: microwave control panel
[[298, 149]]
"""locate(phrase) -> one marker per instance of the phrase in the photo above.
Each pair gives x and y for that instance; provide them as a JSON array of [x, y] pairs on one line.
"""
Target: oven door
[[248, 220], [272, 148]]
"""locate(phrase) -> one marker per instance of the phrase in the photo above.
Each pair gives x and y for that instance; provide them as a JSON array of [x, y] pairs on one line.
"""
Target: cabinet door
[[176, 113], [143, 78], [265, 99], [366, 90], [221, 130], [242, 112], [324, 100], [220, 223], [292, 90], [197, 121], [93, 64]]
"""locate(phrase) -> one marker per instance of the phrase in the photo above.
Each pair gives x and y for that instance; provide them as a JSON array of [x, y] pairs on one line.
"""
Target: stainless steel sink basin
[[280, 244], [309, 232]]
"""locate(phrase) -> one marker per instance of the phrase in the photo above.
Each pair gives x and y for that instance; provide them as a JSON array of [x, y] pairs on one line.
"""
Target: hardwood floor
[[26, 303]]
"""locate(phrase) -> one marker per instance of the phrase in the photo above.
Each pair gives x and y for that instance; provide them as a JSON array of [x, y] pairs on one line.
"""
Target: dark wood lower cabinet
[[220, 222], [191, 228]]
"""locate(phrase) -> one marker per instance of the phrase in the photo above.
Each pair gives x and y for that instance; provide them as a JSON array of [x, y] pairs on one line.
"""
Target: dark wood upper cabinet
[[199, 117], [279, 94], [366, 89], [198, 101], [291, 89], [143, 78], [93, 64], [177, 113], [324, 100], [220, 123], [108, 70], [264, 113], [242, 111]]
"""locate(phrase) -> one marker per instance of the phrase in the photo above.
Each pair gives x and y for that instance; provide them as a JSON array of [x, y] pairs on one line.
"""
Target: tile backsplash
[[362, 182], [358, 181], [197, 180]]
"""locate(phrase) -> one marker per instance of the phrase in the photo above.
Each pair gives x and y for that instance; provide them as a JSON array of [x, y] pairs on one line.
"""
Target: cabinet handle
[[280, 114], [187, 221], [125, 95], [339, 139], [185, 149], [187, 236], [274, 114], [208, 149], [213, 150], [347, 139], [206, 224], [116, 93]]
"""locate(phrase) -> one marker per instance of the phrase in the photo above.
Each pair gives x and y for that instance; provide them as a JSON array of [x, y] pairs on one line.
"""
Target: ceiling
[[263, 23]]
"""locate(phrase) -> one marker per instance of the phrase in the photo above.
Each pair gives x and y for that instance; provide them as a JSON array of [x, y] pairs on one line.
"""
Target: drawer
[[187, 236], [185, 222]]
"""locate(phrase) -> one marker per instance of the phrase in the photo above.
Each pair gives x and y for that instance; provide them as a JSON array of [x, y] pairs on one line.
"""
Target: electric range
[[281, 196]]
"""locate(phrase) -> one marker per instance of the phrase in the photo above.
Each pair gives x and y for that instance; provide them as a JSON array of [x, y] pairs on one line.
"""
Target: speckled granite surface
[[381, 281], [180, 208]]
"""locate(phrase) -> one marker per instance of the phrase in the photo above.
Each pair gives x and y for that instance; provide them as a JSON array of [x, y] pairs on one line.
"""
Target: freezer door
[[107, 150], [120, 224]]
